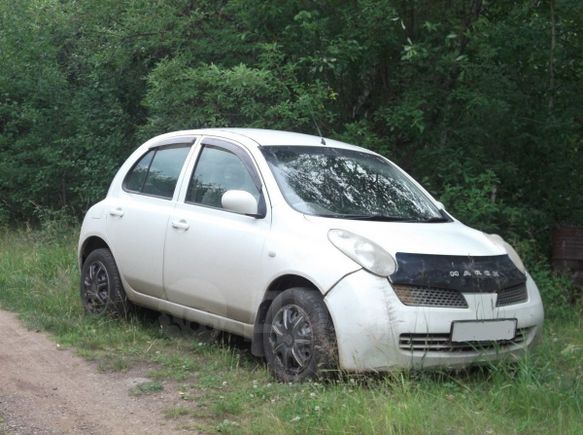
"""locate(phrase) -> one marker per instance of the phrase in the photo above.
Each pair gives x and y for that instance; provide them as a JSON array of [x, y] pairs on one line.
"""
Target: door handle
[[117, 212], [180, 224]]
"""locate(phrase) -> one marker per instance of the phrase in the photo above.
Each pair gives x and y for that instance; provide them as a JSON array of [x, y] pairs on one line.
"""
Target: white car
[[324, 254]]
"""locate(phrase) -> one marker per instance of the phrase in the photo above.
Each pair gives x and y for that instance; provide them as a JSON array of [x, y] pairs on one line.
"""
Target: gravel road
[[46, 390]]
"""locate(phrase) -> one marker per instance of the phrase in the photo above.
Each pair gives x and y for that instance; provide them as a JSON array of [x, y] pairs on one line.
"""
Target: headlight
[[365, 252], [509, 250]]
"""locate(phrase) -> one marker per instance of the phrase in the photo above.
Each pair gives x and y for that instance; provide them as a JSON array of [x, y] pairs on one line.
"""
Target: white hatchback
[[325, 255]]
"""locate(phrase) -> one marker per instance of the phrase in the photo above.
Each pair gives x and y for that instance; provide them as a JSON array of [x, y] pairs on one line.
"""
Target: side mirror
[[239, 201], [440, 205]]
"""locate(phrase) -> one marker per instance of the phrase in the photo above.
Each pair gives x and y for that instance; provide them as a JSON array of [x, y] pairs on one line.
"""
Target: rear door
[[137, 220]]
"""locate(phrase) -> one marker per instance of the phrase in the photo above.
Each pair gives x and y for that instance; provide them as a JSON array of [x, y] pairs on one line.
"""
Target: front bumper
[[375, 331]]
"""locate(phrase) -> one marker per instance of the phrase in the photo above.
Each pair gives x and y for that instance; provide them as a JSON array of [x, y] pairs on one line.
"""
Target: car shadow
[[174, 327]]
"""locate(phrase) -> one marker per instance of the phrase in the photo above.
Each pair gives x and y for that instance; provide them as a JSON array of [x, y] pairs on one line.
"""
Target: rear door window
[[156, 173]]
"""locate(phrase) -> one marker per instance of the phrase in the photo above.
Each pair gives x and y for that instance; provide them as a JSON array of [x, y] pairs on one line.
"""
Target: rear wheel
[[101, 288], [299, 339]]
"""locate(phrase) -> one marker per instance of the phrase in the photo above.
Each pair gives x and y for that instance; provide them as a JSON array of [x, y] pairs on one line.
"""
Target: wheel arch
[[277, 286], [89, 245]]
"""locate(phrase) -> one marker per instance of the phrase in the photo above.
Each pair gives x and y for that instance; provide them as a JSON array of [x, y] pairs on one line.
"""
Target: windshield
[[341, 183]]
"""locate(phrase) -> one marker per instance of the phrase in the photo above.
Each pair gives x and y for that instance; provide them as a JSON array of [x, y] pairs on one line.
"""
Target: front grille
[[442, 343], [430, 297], [512, 295]]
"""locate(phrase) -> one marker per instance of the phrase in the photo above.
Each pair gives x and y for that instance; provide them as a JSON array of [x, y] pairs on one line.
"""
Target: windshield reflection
[[335, 182]]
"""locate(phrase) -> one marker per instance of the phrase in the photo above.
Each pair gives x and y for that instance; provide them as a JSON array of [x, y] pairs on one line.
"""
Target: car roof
[[265, 137]]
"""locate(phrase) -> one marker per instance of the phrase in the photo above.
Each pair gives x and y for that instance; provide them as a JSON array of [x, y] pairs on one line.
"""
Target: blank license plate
[[483, 330]]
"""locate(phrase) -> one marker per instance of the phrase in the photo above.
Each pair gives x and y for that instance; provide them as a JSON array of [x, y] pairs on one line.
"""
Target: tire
[[299, 339], [101, 288]]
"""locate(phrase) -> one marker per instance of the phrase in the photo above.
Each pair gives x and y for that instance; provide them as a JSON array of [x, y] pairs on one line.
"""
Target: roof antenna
[[322, 140]]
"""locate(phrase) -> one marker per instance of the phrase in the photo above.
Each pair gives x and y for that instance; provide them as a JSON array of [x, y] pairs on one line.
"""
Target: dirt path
[[44, 390]]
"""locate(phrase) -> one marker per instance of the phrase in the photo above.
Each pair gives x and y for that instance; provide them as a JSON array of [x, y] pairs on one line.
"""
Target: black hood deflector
[[487, 274]]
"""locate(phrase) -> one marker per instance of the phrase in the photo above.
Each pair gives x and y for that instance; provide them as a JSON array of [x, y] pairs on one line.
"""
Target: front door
[[212, 255]]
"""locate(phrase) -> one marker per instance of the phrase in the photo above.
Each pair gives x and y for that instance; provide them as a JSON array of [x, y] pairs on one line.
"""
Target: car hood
[[448, 238]]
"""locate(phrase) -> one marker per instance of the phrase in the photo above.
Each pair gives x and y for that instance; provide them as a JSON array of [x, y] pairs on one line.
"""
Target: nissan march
[[324, 254]]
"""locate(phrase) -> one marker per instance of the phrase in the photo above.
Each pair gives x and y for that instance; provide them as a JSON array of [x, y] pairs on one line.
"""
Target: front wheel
[[101, 288], [299, 339]]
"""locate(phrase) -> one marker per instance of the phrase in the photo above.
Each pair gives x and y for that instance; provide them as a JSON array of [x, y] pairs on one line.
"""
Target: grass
[[146, 388], [224, 389], [176, 412]]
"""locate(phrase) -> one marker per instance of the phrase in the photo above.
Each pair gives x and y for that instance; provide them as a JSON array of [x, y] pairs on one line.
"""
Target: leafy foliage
[[479, 99]]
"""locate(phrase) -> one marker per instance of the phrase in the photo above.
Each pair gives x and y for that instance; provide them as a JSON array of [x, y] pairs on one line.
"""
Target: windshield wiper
[[387, 218], [434, 219], [370, 217], [381, 218]]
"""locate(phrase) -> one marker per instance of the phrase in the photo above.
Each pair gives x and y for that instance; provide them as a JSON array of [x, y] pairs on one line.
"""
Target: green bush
[[557, 292]]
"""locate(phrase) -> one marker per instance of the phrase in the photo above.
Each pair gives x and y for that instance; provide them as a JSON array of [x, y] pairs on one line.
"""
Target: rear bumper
[[375, 331]]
